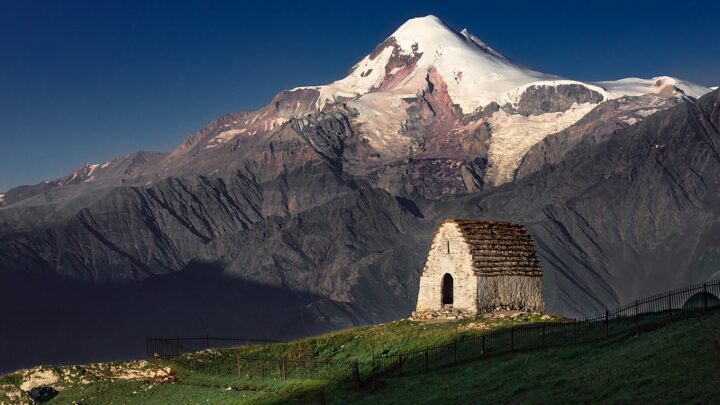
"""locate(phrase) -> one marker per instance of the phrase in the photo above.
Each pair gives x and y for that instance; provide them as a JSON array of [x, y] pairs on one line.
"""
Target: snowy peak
[[483, 46], [426, 34], [475, 73], [430, 35]]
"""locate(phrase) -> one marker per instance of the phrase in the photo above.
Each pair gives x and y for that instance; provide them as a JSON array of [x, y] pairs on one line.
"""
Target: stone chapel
[[480, 266]]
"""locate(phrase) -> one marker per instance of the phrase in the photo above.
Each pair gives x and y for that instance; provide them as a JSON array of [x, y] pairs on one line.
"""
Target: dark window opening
[[447, 290]]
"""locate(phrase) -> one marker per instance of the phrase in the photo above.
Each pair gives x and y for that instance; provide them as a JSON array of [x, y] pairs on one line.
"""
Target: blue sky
[[82, 81]]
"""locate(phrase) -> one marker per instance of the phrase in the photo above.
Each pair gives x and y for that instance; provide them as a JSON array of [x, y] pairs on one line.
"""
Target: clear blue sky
[[82, 81]]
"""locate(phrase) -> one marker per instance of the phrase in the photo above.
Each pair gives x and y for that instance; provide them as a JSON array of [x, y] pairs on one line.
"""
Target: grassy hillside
[[679, 362]]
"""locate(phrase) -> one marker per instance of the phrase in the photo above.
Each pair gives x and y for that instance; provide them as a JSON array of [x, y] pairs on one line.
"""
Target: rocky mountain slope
[[427, 93], [316, 211]]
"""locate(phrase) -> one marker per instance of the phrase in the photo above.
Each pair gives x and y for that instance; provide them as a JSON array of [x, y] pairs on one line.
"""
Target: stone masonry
[[486, 265]]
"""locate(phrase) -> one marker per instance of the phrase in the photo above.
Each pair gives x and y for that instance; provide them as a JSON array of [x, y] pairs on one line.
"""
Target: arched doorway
[[447, 289]]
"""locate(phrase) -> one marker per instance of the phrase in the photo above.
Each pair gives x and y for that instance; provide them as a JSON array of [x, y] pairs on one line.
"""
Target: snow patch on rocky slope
[[514, 135]]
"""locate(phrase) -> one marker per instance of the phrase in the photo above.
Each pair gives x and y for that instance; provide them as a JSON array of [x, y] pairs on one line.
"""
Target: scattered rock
[[144, 371], [447, 312], [38, 376], [12, 393]]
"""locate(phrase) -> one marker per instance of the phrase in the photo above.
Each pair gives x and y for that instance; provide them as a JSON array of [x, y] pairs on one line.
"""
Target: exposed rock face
[[339, 250], [432, 118], [86, 183], [538, 99], [429, 178], [134, 233], [595, 127]]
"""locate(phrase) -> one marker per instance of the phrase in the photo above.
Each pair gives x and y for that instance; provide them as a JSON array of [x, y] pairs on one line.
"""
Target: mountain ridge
[[380, 103], [322, 205]]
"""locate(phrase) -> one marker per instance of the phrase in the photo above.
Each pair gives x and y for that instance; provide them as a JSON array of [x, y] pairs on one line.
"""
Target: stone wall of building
[[457, 263], [509, 292]]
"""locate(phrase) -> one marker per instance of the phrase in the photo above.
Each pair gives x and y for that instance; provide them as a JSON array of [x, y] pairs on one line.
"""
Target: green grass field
[[677, 363]]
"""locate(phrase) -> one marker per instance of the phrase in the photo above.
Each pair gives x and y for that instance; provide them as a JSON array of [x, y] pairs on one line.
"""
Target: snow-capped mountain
[[314, 212], [474, 73], [428, 93]]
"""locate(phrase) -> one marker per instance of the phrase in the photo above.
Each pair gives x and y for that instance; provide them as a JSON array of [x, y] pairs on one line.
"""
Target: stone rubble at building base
[[450, 313], [442, 313]]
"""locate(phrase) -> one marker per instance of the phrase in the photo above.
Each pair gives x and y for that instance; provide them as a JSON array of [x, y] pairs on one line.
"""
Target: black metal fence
[[262, 368], [633, 318], [339, 370], [159, 347]]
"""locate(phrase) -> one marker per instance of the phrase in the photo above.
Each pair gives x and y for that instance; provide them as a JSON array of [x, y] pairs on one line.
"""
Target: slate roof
[[500, 248]]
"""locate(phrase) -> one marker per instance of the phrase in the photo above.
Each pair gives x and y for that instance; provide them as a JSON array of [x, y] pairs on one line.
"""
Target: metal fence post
[[400, 360], [607, 324], [705, 296], [237, 358], [284, 371], [637, 320], [356, 373], [427, 367], [484, 354], [455, 351], [669, 306]]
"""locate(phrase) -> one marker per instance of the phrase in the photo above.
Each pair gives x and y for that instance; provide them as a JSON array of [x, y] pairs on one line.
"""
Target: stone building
[[480, 266]]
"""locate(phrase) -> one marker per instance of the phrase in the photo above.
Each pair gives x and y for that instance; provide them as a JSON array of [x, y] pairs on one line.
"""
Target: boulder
[[43, 393]]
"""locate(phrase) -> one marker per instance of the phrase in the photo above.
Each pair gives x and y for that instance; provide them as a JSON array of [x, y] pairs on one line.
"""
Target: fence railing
[[173, 346], [249, 368], [632, 318]]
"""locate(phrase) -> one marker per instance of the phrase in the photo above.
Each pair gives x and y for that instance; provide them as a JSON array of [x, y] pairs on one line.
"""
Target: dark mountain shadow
[[49, 320]]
